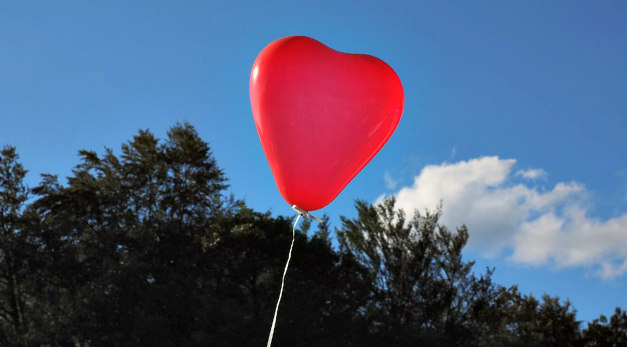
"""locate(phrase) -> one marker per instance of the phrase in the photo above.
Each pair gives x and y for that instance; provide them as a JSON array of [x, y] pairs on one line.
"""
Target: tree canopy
[[146, 248]]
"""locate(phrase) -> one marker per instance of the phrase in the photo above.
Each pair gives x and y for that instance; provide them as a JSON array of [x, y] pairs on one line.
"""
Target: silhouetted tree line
[[146, 249]]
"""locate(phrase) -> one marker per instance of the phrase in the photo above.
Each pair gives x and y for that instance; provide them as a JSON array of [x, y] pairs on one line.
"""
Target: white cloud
[[540, 227], [609, 270], [390, 183], [453, 152], [531, 174]]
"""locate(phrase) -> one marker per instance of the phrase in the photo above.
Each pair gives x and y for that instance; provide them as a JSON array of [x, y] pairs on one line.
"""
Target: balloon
[[321, 115]]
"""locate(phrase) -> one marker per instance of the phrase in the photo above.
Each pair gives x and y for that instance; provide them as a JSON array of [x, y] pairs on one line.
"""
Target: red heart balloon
[[321, 115]]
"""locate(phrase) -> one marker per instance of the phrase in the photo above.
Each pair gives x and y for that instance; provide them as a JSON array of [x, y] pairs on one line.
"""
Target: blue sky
[[515, 112]]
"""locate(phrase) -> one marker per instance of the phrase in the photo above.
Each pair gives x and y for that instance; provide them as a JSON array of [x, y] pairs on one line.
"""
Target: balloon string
[[276, 310]]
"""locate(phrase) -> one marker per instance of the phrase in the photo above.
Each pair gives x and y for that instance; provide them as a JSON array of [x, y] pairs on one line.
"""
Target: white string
[[289, 256]]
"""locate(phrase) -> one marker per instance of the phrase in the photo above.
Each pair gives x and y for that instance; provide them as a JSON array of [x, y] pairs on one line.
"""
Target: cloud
[[453, 152], [390, 183], [531, 174], [538, 227]]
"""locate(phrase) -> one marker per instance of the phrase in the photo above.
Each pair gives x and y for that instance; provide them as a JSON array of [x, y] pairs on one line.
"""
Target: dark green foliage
[[145, 249], [602, 332], [424, 292], [513, 319], [15, 250]]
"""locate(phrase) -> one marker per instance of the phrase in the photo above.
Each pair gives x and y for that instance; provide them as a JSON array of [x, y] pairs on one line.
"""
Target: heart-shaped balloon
[[321, 115]]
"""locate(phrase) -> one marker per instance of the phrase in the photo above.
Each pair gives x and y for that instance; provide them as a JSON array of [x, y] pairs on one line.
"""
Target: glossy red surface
[[321, 115]]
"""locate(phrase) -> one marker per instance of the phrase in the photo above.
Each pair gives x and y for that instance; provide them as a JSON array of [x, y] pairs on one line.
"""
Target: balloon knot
[[305, 214]]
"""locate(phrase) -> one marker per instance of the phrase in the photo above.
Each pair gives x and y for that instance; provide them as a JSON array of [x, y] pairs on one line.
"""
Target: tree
[[602, 332], [424, 291], [145, 249], [15, 250], [132, 231], [323, 290], [514, 319]]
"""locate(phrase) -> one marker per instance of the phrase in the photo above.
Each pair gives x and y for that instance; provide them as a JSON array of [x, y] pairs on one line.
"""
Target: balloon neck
[[305, 214]]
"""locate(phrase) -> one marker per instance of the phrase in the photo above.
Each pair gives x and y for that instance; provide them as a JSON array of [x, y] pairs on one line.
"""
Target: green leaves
[[142, 247], [13, 193], [427, 294], [602, 332]]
